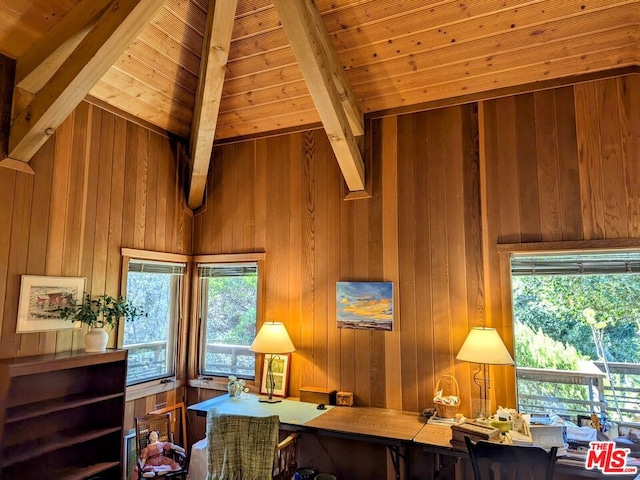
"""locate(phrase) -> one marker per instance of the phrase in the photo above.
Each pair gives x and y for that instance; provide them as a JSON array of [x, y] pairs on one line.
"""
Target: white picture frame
[[39, 298]]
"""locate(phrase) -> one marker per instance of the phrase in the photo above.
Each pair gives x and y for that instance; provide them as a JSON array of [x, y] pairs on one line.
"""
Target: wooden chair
[[285, 462], [160, 423], [509, 462]]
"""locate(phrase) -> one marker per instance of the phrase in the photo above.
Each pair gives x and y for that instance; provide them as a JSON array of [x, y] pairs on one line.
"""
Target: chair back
[[161, 423], [241, 446], [510, 462]]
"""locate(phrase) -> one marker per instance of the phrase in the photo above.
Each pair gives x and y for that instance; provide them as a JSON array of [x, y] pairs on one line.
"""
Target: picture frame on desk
[[585, 421], [280, 374]]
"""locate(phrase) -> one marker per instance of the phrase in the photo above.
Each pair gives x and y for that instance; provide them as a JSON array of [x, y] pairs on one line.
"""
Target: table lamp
[[484, 346], [272, 339]]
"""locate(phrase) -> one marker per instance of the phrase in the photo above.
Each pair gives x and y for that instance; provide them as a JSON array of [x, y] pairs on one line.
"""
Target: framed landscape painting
[[365, 305], [41, 296]]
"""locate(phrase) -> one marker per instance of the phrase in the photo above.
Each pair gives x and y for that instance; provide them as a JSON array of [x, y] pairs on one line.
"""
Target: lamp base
[[269, 400]]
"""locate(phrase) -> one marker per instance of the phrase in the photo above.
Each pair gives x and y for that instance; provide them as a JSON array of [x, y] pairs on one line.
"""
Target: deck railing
[[571, 393]]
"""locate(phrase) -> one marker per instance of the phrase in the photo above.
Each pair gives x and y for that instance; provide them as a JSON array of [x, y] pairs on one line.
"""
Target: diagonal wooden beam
[[42, 60], [116, 28], [329, 87], [213, 65]]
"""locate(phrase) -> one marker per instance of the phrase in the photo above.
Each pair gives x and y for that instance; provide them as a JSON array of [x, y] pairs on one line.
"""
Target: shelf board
[[79, 473], [40, 446], [32, 410]]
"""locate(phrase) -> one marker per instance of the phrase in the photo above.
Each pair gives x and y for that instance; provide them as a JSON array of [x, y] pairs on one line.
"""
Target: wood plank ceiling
[[396, 54]]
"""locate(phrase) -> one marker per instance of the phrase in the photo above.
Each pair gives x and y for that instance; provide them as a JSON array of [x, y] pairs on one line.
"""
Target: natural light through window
[[576, 330], [151, 340], [229, 300]]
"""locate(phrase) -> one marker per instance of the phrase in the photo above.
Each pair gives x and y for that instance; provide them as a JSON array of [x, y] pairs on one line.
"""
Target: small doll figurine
[[152, 459]]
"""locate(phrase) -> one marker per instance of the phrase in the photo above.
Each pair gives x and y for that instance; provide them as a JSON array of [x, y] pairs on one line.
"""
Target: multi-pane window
[[228, 309], [152, 340], [577, 332]]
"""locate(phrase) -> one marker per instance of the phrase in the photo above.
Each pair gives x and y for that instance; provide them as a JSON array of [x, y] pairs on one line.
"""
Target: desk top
[[291, 412], [370, 421], [436, 436]]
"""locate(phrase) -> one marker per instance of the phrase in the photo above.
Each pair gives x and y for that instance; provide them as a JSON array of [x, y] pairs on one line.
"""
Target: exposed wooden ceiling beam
[[116, 28], [213, 65], [330, 89], [42, 60]]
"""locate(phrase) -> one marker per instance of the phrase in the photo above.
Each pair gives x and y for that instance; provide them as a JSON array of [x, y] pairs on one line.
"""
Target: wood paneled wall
[[556, 165], [420, 229], [100, 183]]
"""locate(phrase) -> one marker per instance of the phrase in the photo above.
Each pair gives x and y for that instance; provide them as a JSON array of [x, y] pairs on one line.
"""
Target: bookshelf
[[61, 415]]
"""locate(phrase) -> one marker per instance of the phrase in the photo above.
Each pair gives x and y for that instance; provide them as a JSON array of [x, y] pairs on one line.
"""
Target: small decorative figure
[[153, 460]]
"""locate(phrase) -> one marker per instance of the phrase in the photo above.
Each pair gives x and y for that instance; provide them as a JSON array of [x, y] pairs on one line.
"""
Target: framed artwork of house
[[40, 298]]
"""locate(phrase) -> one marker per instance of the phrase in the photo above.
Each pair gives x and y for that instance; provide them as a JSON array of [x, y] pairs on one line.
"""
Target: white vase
[[96, 340]]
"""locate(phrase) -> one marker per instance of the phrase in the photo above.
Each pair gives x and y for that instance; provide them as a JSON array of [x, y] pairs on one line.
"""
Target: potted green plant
[[98, 313]]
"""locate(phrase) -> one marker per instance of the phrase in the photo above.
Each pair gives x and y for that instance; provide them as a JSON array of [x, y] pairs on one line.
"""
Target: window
[[229, 311], [152, 340], [577, 333]]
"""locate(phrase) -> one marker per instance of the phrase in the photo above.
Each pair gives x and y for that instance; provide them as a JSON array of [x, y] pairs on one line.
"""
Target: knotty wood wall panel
[[558, 165], [101, 183]]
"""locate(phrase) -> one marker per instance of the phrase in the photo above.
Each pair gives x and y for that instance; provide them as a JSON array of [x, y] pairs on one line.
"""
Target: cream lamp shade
[[272, 338], [484, 345]]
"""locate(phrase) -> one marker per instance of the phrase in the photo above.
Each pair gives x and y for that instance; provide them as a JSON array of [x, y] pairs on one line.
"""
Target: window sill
[[217, 383], [151, 388]]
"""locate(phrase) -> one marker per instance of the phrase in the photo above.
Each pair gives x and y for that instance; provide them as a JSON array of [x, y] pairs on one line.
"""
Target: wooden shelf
[[40, 446], [78, 473], [61, 415], [37, 409]]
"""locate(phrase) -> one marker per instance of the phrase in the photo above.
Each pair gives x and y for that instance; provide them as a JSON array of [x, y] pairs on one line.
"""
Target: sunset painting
[[365, 305]]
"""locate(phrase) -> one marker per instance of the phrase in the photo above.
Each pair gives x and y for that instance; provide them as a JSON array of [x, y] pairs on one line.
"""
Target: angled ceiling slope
[[395, 54]]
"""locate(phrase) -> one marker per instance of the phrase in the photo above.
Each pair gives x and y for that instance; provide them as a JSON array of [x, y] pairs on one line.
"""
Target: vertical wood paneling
[[568, 169], [526, 158], [546, 149], [377, 373], [406, 261], [629, 90], [430, 228], [390, 264], [586, 169], [615, 204], [308, 321], [294, 297], [68, 218], [588, 133], [505, 128]]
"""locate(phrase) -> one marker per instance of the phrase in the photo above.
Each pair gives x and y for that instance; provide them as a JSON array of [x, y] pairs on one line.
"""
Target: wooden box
[[318, 395], [344, 399]]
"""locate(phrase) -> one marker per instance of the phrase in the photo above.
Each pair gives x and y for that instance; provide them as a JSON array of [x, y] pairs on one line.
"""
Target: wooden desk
[[389, 427], [436, 439]]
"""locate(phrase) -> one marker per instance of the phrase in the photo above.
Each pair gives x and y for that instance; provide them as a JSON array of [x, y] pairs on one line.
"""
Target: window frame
[[197, 320], [165, 384], [567, 247]]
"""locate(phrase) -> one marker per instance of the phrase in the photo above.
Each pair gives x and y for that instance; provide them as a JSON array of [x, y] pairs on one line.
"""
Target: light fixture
[[272, 339], [484, 346]]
